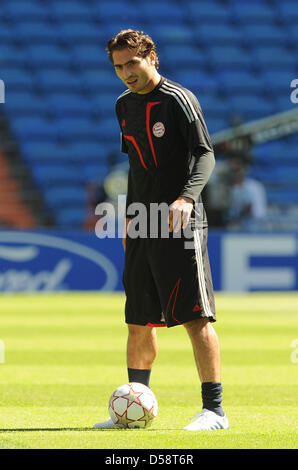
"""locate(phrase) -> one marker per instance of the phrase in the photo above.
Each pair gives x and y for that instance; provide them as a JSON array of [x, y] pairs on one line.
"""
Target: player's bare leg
[[142, 346], [206, 350]]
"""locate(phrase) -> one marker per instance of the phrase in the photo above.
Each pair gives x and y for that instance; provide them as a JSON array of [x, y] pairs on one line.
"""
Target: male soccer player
[[171, 159]]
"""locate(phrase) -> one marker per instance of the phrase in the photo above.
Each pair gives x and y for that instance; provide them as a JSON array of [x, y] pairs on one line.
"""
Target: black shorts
[[168, 281]]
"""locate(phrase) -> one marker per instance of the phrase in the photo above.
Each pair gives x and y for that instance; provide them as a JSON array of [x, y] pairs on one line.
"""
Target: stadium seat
[[222, 35], [17, 78], [165, 11], [30, 128], [55, 175], [254, 13], [90, 55], [117, 10], [71, 10], [172, 34], [46, 152], [42, 55], [74, 195], [251, 106], [76, 128], [196, 80], [103, 104], [7, 34], [96, 80], [240, 80], [208, 12], [22, 10], [69, 104], [183, 56], [288, 12], [87, 152], [264, 34], [70, 217], [11, 56], [229, 58], [40, 32], [80, 32], [275, 57], [59, 79], [25, 103]]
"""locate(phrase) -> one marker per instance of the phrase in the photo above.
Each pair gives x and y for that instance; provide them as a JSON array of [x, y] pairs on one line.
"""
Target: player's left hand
[[180, 211]]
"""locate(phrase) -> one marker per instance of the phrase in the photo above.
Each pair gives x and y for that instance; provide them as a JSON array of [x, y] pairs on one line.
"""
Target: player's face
[[139, 74]]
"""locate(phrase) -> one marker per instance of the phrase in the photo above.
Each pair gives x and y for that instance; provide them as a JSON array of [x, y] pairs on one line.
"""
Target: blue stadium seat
[[63, 104], [69, 104], [288, 12], [59, 79], [22, 10], [183, 56], [96, 80], [47, 151], [196, 80], [217, 124], [36, 32], [278, 81], [7, 34], [221, 35], [251, 106], [127, 12], [275, 57], [90, 55], [240, 80], [17, 79], [283, 100], [71, 9], [230, 58], [103, 104], [81, 32], [212, 11], [30, 128], [70, 195], [76, 128], [95, 172], [11, 56], [55, 175], [25, 103], [214, 106], [265, 34], [71, 216], [108, 130], [47, 55], [165, 11], [254, 12], [88, 152], [171, 34]]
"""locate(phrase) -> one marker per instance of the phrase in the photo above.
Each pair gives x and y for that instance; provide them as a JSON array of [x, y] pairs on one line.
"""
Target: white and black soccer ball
[[133, 405]]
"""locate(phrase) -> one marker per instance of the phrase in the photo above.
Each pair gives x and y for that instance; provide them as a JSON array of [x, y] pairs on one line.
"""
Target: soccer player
[[167, 283]]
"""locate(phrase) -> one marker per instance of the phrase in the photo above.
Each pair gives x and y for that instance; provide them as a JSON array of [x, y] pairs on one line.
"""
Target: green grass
[[65, 354]]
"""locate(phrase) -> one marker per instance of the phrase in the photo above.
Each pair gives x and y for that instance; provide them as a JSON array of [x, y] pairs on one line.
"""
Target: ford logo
[[31, 262]]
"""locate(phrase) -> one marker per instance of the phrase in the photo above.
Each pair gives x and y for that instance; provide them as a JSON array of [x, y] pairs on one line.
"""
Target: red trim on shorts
[[175, 289], [156, 324], [148, 110]]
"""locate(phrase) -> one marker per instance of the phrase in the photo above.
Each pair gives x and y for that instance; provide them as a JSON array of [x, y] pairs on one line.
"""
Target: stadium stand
[[237, 57]]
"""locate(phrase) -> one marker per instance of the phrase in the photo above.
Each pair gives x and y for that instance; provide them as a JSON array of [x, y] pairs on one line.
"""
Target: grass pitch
[[65, 354]]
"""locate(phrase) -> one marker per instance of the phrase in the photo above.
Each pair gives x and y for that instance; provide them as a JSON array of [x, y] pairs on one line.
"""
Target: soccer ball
[[133, 405]]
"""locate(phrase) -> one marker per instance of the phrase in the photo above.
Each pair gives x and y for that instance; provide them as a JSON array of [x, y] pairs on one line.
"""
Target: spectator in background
[[247, 198]]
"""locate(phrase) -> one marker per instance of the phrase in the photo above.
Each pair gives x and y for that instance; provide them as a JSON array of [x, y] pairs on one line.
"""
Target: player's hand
[[180, 211]]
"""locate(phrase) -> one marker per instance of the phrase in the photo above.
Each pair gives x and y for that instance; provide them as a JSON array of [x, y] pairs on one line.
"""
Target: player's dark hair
[[131, 39]]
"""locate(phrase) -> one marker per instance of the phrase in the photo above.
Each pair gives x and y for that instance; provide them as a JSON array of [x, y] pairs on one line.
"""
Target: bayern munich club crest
[[158, 129]]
